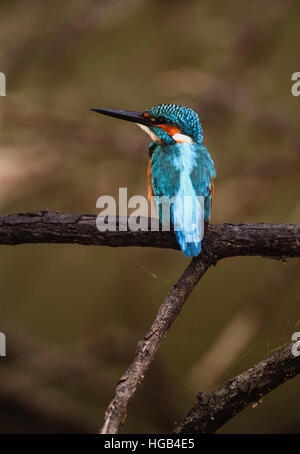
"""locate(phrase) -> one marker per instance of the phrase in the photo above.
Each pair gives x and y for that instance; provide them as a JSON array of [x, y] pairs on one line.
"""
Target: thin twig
[[213, 410], [147, 348]]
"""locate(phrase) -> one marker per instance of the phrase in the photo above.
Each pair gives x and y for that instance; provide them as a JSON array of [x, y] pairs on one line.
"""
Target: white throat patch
[[152, 134], [182, 138]]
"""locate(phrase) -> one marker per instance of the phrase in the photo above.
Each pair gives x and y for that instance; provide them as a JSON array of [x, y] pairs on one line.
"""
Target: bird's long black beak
[[136, 117]]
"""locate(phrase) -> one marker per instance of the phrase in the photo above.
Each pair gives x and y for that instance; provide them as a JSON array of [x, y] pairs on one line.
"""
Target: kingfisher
[[180, 168]]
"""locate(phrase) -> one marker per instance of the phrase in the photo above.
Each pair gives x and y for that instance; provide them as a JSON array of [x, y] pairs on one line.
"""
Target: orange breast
[[149, 179]]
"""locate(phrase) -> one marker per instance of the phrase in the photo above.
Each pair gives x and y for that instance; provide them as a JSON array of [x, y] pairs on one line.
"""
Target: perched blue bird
[[180, 168]]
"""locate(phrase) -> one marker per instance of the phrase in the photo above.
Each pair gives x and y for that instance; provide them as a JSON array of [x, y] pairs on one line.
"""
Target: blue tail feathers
[[190, 249], [187, 217]]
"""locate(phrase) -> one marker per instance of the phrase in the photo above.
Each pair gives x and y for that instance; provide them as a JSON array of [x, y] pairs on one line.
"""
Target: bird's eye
[[158, 120]]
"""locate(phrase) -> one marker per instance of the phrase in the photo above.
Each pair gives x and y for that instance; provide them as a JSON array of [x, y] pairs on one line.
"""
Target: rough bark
[[213, 410], [223, 240]]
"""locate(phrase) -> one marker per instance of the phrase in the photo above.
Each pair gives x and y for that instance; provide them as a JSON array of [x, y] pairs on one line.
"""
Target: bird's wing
[[183, 173], [202, 177]]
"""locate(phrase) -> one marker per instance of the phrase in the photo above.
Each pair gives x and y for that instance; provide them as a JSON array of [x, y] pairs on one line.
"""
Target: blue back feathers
[[184, 171]]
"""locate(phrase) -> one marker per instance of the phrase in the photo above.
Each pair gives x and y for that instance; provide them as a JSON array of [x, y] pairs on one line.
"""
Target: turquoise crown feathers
[[184, 117]]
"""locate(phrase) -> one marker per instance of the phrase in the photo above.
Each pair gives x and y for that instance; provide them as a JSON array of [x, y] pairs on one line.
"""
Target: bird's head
[[165, 123]]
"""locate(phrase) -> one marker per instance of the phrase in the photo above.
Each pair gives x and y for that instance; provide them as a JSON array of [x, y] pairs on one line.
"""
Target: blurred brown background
[[72, 314]]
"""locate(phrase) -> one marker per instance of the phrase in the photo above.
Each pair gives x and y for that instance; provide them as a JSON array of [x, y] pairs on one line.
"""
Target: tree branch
[[147, 348], [225, 240], [213, 410]]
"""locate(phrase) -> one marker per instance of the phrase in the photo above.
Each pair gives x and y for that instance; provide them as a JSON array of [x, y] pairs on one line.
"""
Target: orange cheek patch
[[171, 130]]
